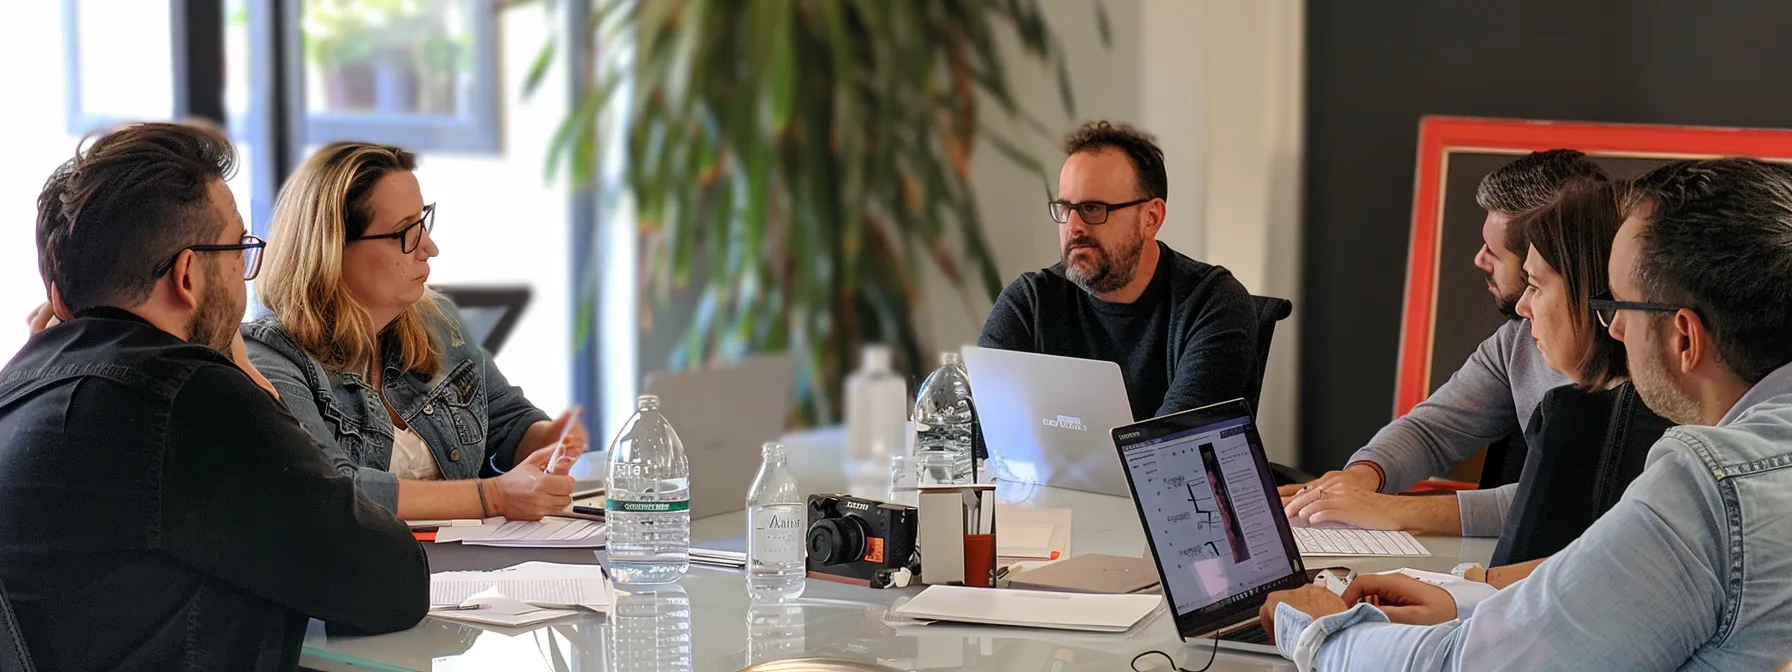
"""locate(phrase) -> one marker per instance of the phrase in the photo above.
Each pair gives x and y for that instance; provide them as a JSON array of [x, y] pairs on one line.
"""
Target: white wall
[[1219, 83], [1011, 200], [499, 221]]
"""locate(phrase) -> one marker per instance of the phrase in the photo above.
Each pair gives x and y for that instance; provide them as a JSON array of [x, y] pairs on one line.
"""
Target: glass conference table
[[705, 622]]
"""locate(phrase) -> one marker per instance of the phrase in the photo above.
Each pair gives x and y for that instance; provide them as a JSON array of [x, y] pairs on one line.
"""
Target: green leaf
[[539, 68]]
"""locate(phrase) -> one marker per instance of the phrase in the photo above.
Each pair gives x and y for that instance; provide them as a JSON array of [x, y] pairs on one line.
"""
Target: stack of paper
[[1031, 609], [526, 594], [490, 607], [550, 532]]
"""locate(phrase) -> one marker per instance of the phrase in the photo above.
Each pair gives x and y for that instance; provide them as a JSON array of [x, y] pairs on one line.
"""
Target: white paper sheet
[[543, 584]]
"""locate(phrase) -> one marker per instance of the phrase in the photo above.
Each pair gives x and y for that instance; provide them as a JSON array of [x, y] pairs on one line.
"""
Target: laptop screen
[[1209, 508]]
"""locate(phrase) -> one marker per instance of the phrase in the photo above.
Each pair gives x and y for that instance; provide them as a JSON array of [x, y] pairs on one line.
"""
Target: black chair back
[[1591, 446], [14, 657], [1270, 310]]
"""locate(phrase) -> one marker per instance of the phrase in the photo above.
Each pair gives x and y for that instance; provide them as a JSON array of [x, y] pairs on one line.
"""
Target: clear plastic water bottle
[[650, 631], [876, 410], [776, 523], [945, 425], [649, 499]]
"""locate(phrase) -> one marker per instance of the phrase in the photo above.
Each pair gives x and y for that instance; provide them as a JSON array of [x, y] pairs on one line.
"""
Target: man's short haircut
[[1530, 182], [124, 205], [1719, 240], [1139, 146]]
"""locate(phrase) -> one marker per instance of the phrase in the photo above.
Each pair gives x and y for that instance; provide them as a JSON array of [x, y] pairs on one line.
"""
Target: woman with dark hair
[[1592, 436]]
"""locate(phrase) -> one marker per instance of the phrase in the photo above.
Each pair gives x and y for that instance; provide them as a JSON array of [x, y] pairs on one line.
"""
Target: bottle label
[[778, 531], [647, 507]]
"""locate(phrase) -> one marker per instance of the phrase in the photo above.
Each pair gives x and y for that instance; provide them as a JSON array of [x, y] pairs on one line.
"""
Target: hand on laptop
[[1404, 599], [528, 492], [1311, 600], [1350, 506], [1360, 476]]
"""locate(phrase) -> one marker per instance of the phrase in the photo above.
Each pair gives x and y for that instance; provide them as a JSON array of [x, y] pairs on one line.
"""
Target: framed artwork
[[1447, 310]]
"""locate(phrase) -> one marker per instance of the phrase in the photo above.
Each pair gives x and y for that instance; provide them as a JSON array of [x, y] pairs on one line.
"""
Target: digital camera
[[860, 541]]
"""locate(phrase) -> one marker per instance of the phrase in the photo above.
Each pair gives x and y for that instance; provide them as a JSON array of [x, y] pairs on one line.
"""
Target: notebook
[[1031, 608]]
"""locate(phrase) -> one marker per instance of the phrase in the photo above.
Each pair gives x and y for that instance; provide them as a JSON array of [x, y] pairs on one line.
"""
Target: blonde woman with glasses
[[375, 365]]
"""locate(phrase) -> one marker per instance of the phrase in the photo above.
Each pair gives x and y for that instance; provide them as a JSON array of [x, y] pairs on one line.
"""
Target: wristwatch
[[1461, 571]]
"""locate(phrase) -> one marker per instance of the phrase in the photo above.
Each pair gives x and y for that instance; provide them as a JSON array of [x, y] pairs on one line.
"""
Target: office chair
[[1580, 469], [1270, 310], [14, 657]]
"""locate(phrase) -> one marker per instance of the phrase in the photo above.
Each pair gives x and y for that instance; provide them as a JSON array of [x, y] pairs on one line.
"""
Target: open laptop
[[1210, 511], [723, 415], [1045, 418]]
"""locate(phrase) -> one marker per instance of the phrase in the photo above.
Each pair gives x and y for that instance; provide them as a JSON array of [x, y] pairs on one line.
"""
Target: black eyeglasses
[[1091, 212], [411, 236], [250, 247], [1607, 309]]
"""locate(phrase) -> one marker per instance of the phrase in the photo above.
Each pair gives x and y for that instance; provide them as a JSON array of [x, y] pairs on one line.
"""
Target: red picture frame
[[1441, 136]]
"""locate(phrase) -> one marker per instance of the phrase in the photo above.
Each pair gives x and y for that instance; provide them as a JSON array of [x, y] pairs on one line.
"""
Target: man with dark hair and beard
[[159, 508], [1492, 396], [1183, 332], [1690, 569]]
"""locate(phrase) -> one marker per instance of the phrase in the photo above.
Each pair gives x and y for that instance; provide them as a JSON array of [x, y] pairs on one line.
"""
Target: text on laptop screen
[[1208, 515]]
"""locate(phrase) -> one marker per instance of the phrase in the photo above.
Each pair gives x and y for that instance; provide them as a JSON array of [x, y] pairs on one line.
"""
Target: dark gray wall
[[1375, 66]]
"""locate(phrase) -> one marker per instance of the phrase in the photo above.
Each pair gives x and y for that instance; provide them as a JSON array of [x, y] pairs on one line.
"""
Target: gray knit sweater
[[1494, 393]]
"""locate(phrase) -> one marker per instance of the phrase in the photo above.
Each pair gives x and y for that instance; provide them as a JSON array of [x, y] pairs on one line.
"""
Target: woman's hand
[[528, 492], [566, 432]]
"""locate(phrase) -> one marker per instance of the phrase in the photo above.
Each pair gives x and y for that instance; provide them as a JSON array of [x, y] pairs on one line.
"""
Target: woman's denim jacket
[[471, 417]]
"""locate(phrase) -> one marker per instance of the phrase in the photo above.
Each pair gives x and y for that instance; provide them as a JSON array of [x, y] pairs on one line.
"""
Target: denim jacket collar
[[1776, 384]]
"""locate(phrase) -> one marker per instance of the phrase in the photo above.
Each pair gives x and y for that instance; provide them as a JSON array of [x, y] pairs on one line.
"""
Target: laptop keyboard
[[1250, 634]]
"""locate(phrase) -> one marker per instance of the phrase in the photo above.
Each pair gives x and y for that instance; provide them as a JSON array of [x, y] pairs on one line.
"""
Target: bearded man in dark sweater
[[1183, 332]]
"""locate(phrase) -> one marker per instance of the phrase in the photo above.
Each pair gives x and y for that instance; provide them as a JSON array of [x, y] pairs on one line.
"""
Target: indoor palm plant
[[806, 161]]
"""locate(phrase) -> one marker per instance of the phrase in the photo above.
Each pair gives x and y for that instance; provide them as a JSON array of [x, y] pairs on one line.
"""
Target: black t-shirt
[[1189, 341]]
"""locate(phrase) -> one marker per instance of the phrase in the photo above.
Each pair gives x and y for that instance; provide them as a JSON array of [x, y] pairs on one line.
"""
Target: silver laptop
[[1209, 507], [1045, 418], [723, 416]]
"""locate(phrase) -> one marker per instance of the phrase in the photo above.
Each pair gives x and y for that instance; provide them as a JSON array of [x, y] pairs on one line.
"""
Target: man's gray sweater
[[1494, 393]]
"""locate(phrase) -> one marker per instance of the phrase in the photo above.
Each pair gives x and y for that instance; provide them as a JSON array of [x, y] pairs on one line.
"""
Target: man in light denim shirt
[[1693, 568]]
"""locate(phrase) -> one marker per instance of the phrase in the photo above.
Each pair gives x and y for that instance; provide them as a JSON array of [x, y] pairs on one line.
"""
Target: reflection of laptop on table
[[723, 416], [1047, 417], [1214, 522]]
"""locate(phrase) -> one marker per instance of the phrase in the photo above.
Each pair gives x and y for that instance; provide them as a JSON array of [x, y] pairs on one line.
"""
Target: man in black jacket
[[159, 509]]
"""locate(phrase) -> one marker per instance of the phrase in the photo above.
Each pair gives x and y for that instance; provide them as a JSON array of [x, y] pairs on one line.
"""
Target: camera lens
[[837, 541]]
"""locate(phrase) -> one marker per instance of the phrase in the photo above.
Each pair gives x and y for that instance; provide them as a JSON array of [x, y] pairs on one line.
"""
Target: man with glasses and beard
[[159, 508], [1183, 332], [1690, 569], [1492, 396]]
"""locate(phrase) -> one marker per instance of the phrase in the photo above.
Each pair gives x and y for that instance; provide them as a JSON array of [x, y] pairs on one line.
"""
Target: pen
[[560, 442], [588, 510], [456, 607]]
